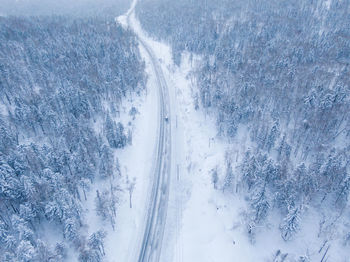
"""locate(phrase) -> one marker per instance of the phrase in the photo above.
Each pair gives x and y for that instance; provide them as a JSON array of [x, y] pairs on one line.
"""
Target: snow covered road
[[153, 235], [151, 245]]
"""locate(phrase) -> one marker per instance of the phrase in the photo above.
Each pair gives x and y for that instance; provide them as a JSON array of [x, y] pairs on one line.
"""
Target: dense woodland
[[278, 71], [62, 81]]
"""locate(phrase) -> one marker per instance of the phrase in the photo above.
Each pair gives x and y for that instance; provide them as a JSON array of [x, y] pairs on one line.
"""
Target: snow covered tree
[[115, 133], [61, 75], [229, 177], [260, 204], [290, 224], [214, 177], [344, 190], [105, 205], [96, 242], [26, 252]]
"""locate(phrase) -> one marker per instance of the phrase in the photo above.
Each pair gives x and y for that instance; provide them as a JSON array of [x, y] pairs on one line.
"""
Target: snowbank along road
[[151, 245]]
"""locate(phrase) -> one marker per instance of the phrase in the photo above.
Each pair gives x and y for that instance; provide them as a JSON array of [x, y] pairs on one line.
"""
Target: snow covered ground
[[209, 223], [196, 228], [203, 223], [136, 163]]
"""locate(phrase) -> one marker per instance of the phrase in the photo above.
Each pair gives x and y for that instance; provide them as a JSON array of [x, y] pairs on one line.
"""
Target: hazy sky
[[63, 7]]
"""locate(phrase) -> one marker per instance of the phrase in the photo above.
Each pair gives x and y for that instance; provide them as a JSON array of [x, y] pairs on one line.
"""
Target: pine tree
[[290, 224]]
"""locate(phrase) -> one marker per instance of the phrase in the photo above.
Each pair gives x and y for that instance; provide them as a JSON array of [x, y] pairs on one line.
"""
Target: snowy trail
[[151, 245]]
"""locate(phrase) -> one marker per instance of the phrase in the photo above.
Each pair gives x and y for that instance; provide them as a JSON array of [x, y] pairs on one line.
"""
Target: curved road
[[151, 245]]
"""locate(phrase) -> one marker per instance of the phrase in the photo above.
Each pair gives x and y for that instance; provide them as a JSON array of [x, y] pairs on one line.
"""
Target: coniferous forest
[[277, 71], [274, 77], [62, 81]]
